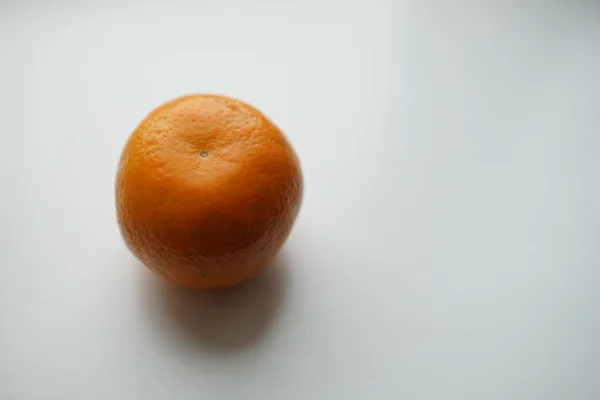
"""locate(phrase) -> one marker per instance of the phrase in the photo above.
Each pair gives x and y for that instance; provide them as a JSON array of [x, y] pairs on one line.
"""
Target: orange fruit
[[207, 191]]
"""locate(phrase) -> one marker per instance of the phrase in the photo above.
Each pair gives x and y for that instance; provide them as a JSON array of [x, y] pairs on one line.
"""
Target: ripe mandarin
[[207, 191]]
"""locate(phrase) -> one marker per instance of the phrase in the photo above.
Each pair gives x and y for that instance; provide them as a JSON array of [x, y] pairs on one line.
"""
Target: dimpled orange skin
[[207, 191]]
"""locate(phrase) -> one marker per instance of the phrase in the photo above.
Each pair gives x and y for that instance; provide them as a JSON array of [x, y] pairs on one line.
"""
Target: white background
[[448, 243]]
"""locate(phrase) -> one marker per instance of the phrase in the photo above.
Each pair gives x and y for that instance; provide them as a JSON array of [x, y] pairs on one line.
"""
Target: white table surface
[[448, 243]]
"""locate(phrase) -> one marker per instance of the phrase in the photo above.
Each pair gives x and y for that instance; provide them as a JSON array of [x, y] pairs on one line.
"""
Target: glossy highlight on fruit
[[207, 191]]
